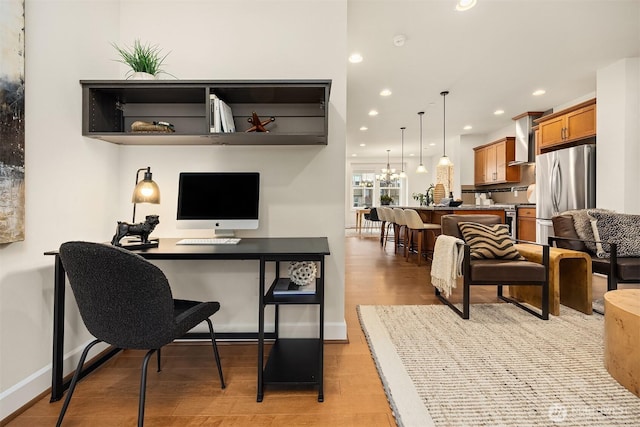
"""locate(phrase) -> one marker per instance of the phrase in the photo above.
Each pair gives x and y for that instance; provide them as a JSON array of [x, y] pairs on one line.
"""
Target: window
[[362, 184], [366, 190], [389, 191]]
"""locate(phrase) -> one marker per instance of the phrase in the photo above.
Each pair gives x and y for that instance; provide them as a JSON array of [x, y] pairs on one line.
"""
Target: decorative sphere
[[302, 273]]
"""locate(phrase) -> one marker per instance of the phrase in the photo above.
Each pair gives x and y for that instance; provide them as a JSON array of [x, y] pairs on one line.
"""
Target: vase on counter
[[438, 193]]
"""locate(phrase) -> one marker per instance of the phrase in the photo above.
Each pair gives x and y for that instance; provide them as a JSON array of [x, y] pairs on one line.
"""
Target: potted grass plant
[[145, 60]]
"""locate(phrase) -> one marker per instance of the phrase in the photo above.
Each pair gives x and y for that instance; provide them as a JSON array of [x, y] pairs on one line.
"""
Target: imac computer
[[222, 201]]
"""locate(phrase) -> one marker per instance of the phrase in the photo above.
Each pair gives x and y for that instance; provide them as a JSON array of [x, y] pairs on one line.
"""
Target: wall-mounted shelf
[[300, 108]]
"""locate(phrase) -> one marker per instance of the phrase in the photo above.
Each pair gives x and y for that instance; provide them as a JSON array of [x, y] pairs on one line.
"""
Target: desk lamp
[[146, 191]]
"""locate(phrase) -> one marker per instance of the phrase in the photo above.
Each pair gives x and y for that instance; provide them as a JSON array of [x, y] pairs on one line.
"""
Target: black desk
[[261, 249]]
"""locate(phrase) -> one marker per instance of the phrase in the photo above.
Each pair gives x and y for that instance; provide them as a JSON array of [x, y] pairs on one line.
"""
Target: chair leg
[[159, 360], [74, 381], [465, 301], [420, 238], [143, 387], [215, 351]]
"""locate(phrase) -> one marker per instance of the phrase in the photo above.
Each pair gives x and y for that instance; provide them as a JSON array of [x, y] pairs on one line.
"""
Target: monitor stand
[[223, 234]]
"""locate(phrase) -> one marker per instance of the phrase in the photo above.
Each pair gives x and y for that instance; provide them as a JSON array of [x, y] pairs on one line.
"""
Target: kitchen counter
[[497, 206]]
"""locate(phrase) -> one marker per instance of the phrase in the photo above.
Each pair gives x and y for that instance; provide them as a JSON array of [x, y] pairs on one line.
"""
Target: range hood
[[525, 138]]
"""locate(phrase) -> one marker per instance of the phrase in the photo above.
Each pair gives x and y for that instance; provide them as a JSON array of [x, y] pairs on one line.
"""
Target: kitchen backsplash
[[513, 193]]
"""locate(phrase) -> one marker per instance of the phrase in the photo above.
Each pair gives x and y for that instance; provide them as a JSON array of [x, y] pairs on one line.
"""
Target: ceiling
[[490, 57]]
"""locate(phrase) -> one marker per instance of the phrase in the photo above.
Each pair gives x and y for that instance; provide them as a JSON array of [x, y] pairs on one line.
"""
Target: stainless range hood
[[525, 138]]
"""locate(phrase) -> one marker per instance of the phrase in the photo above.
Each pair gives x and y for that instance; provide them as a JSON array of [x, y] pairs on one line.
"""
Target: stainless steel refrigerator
[[565, 180]]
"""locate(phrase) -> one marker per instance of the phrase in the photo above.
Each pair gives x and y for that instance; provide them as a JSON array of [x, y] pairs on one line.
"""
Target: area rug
[[502, 367]]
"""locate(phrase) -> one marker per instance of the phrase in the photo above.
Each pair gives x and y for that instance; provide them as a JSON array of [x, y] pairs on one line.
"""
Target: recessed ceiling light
[[354, 155], [465, 5], [363, 145], [411, 155], [373, 113], [539, 92], [355, 58], [385, 92], [364, 128], [468, 127], [432, 144], [498, 112]]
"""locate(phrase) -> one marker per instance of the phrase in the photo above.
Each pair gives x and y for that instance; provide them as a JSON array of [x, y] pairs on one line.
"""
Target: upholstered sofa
[[611, 239]]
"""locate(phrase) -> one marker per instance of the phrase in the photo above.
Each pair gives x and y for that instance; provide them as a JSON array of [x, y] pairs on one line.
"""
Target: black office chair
[[126, 301]]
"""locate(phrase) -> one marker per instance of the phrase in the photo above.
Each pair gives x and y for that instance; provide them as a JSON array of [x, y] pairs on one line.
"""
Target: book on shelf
[[287, 287], [226, 117], [221, 116], [215, 113]]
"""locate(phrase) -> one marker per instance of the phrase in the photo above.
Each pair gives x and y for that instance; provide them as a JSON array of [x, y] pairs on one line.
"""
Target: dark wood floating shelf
[[300, 109]]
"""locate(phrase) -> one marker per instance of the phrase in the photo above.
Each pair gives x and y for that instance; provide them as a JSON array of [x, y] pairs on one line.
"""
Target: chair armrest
[[613, 247]]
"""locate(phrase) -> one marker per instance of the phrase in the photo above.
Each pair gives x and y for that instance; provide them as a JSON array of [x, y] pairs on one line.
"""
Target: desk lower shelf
[[294, 361]]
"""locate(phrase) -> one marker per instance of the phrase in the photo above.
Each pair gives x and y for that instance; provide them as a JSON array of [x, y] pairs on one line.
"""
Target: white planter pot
[[142, 76]]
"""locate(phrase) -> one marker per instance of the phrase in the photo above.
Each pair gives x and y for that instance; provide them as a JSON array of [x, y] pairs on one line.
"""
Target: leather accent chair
[[126, 301], [617, 269], [497, 272]]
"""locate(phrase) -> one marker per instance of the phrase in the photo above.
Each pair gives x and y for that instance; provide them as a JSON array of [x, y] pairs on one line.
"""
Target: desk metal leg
[[57, 387], [261, 331]]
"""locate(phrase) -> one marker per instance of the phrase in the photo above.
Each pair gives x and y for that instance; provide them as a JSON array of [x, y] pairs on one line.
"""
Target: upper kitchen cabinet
[[491, 162], [293, 112], [567, 126]]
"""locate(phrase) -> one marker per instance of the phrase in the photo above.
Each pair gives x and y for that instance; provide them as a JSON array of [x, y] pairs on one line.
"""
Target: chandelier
[[388, 174]]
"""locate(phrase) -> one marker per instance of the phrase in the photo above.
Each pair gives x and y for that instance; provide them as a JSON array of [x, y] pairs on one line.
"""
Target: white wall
[[77, 188], [618, 174]]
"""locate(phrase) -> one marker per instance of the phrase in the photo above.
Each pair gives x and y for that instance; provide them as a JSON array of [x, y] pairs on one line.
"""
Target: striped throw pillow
[[489, 241]]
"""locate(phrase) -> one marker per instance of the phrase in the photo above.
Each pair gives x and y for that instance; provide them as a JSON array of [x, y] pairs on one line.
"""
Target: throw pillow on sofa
[[584, 228], [489, 241], [622, 229]]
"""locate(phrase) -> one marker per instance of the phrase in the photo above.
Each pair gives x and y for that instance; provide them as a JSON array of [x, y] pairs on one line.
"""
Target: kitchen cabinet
[[296, 111], [479, 166], [491, 162], [526, 227], [567, 126]]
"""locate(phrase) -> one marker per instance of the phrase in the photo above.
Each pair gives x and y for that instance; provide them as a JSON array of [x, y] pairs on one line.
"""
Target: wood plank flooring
[[187, 391]]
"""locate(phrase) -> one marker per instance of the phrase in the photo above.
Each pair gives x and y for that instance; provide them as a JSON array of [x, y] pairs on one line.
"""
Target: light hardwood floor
[[187, 391]]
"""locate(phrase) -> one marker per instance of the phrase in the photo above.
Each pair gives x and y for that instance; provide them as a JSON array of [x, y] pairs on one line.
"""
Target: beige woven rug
[[503, 367]]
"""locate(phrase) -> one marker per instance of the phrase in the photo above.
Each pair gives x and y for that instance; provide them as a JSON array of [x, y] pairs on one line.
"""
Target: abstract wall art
[[11, 121]]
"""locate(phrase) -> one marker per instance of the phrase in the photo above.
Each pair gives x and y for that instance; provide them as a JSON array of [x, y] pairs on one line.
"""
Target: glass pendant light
[[421, 168], [444, 160], [402, 172]]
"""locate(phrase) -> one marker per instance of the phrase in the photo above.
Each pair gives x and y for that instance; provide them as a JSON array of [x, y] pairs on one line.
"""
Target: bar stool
[[390, 220], [398, 215], [416, 225]]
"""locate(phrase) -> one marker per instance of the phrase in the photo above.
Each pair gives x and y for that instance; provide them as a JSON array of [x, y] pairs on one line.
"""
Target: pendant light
[[388, 174], [421, 168], [402, 172], [444, 160]]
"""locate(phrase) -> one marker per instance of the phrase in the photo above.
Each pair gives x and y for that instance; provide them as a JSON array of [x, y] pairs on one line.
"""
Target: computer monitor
[[222, 201]]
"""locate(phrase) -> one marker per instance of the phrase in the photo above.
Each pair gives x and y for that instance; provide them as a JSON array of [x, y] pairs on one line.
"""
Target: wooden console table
[[569, 279]]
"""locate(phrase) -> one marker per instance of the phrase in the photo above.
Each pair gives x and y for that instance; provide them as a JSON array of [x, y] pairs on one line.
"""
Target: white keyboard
[[225, 241]]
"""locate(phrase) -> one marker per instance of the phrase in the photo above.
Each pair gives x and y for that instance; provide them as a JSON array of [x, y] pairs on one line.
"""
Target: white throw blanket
[[447, 263]]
